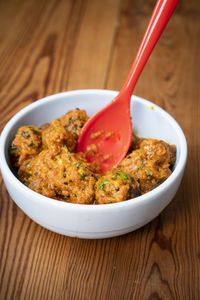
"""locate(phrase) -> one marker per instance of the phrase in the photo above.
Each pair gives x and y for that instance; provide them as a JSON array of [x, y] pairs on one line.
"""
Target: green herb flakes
[[116, 176], [124, 175], [83, 177], [142, 164], [28, 175], [147, 173], [102, 184], [13, 149], [34, 131], [25, 134], [78, 164], [26, 182], [31, 144]]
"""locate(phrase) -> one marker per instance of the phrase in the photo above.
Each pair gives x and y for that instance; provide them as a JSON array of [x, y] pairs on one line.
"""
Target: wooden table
[[52, 46]]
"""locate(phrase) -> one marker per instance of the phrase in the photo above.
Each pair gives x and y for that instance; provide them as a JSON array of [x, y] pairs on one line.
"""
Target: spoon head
[[106, 137]]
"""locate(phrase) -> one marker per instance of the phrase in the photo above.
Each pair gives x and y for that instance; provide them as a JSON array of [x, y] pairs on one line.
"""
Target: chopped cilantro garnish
[[25, 134], [124, 175], [104, 182], [34, 131], [132, 179], [116, 176], [28, 175], [143, 161], [147, 173], [31, 144], [78, 164], [83, 177], [13, 149], [25, 182], [142, 164]]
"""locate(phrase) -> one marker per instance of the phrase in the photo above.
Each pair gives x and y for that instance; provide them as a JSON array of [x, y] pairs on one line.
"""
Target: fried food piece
[[27, 143], [74, 121], [46, 164], [74, 178], [64, 176], [34, 173], [133, 162], [116, 186], [158, 151], [148, 172], [151, 175], [55, 136]]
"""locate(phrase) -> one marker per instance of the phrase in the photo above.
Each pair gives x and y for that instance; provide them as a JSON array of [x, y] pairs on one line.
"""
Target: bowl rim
[[65, 205]]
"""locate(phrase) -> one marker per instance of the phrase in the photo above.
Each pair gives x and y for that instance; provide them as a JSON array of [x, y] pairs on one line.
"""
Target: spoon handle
[[159, 19]]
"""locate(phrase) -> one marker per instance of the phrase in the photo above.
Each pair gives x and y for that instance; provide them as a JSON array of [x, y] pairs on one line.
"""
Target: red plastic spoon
[[106, 136]]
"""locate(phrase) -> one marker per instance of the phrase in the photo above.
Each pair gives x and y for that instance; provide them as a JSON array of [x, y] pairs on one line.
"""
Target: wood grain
[[49, 46]]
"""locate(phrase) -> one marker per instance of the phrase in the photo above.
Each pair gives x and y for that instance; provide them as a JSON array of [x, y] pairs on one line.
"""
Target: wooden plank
[[41, 37], [94, 45]]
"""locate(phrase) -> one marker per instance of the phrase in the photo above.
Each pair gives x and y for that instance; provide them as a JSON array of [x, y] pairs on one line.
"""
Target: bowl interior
[[148, 119]]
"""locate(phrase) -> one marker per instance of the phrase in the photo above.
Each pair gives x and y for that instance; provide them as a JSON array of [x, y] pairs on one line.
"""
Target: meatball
[[148, 173], [73, 178], [74, 121], [150, 176], [55, 136], [62, 176], [116, 186], [160, 152], [27, 143], [34, 173], [133, 162]]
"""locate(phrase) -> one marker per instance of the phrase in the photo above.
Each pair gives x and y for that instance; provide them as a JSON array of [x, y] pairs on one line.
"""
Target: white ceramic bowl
[[94, 221]]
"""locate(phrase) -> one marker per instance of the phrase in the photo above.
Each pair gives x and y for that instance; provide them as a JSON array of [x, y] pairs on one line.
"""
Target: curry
[[48, 163]]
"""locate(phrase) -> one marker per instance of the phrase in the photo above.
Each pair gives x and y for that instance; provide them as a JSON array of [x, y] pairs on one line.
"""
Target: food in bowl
[[47, 162], [94, 221]]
